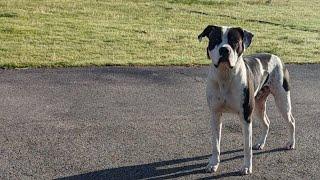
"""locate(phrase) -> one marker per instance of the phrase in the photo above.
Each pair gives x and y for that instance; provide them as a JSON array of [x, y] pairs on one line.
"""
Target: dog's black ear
[[208, 56], [247, 38], [206, 32]]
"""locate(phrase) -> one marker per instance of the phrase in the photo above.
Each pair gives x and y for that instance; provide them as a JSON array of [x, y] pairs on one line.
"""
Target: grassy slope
[[144, 32]]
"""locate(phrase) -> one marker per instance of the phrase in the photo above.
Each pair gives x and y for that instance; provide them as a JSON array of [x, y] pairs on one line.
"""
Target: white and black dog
[[241, 85]]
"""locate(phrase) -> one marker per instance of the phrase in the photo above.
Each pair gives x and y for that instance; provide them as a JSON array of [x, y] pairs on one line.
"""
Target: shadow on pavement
[[158, 170]]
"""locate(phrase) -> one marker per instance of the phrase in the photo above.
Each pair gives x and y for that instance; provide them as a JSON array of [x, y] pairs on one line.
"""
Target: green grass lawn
[[53, 33]]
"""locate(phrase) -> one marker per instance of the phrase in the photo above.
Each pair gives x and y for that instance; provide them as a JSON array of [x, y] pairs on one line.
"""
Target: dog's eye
[[234, 40]]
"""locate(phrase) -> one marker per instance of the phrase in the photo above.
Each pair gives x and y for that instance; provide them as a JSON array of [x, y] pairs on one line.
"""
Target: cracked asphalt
[[142, 123]]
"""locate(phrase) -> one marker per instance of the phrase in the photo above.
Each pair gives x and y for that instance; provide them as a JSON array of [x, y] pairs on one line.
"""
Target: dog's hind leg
[[260, 112], [283, 102], [281, 93]]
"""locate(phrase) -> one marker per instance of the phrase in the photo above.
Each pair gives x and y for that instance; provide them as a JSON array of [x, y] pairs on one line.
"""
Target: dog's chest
[[224, 97]]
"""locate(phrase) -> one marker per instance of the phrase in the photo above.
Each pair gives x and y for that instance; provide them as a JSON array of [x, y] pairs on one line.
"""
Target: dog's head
[[226, 44]]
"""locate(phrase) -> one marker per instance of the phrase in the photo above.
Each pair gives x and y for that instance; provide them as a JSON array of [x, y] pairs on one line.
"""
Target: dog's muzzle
[[224, 56], [223, 60]]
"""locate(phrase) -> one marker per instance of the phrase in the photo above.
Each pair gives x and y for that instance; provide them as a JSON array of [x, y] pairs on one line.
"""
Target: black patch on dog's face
[[214, 34], [235, 40], [215, 37]]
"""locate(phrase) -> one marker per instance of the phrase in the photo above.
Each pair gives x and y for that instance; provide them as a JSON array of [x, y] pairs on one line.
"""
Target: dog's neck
[[226, 76]]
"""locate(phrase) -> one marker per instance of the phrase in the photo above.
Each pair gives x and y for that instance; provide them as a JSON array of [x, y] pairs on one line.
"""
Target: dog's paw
[[290, 146], [245, 171], [211, 168], [258, 146]]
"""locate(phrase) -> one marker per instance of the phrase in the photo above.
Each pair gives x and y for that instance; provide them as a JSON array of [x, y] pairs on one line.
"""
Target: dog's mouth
[[223, 62]]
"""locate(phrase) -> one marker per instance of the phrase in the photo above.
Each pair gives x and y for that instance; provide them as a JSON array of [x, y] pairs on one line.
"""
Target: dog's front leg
[[216, 137], [247, 134]]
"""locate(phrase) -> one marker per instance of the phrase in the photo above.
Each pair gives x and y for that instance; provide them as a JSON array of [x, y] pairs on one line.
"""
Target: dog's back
[[267, 70]]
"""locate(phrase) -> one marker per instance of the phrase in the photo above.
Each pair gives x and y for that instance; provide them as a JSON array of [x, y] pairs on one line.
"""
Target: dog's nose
[[224, 52]]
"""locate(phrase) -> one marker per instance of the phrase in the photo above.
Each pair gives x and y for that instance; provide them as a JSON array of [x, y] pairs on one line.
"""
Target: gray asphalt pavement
[[141, 123]]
